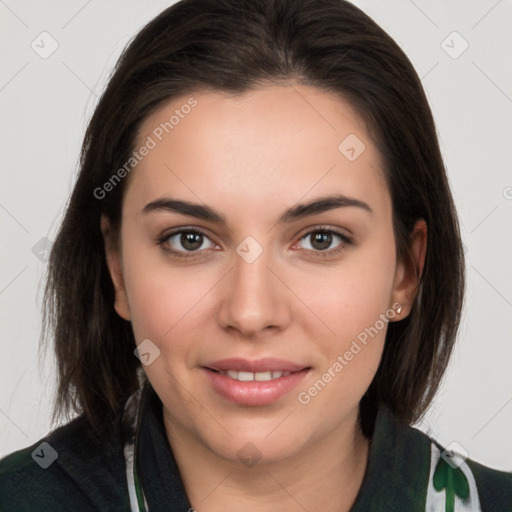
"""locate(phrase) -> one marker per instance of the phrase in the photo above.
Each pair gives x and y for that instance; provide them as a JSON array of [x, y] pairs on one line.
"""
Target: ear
[[409, 272], [115, 268]]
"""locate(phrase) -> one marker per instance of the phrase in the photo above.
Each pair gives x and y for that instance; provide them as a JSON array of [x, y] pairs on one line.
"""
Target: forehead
[[269, 146]]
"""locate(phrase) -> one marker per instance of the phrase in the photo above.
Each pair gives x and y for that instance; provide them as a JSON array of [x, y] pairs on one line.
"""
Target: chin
[[258, 447]]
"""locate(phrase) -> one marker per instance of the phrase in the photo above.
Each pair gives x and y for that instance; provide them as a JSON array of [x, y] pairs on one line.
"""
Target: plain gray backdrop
[[55, 60]]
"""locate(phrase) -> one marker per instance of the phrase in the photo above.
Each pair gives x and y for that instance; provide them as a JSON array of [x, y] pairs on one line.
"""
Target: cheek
[[354, 303], [163, 306], [158, 295], [353, 297]]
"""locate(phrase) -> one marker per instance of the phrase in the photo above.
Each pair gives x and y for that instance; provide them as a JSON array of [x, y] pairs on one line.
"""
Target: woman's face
[[225, 265]]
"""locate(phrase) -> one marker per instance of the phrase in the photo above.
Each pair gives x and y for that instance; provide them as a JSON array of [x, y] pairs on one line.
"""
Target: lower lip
[[254, 392]]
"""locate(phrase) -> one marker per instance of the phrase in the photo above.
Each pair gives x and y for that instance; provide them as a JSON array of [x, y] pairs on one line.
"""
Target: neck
[[326, 475]]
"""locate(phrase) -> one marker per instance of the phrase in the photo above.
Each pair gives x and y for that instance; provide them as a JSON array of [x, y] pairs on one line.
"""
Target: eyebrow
[[294, 213]]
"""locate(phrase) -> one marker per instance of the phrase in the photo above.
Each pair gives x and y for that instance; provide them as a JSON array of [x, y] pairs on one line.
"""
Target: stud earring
[[399, 309]]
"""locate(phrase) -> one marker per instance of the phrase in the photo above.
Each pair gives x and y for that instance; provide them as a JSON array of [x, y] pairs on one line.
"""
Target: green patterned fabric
[[453, 482]]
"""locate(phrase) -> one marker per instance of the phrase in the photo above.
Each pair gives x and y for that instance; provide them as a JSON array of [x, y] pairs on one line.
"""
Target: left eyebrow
[[297, 212], [321, 205]]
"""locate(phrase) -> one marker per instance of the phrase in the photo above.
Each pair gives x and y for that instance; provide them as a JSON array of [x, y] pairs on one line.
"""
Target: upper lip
[[267, 364]]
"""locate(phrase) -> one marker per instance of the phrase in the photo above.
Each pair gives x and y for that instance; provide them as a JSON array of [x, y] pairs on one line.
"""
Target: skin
[[251, 157]]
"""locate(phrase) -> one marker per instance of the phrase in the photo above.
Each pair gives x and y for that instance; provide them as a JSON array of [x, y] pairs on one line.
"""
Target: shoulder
[[456, 477], [414, 470], [70, 467], [494, 487]]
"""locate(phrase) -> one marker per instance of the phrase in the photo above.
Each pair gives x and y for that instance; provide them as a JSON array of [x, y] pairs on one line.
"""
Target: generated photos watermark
[[361, 341], [157, 135]]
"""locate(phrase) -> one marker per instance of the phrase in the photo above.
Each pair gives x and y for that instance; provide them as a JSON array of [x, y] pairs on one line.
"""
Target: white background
[[45, 105]]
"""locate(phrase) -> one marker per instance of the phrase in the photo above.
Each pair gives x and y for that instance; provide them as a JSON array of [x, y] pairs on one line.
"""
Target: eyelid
[[343, 232]]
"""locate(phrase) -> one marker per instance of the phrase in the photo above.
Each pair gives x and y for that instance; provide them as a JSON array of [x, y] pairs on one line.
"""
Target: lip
[[254, 393]]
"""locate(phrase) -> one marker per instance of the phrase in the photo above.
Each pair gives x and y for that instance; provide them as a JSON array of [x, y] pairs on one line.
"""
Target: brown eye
[[322, 240], [325, 242], [191, 241], [186, 241]]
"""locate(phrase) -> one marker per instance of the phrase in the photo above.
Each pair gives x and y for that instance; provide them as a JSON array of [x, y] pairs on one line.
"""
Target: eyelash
[[345, 241]]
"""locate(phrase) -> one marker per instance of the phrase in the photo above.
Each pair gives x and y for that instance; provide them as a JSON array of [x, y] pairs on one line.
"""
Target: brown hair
[[236, 46]]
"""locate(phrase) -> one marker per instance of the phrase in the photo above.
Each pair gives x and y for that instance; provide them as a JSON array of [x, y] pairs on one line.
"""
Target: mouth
[[251, 376], [254, 383]]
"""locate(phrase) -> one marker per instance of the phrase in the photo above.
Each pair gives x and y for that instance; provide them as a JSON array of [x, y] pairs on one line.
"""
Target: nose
[[254, 299]]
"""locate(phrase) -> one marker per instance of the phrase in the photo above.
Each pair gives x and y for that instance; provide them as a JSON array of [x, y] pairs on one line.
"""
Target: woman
[[258, 281]]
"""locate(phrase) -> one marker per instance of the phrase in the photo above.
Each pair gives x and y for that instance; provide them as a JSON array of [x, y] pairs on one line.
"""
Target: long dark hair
[[236, 46]]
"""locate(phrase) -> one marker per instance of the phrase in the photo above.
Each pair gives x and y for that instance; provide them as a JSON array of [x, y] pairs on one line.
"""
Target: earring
[[399, 309]]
